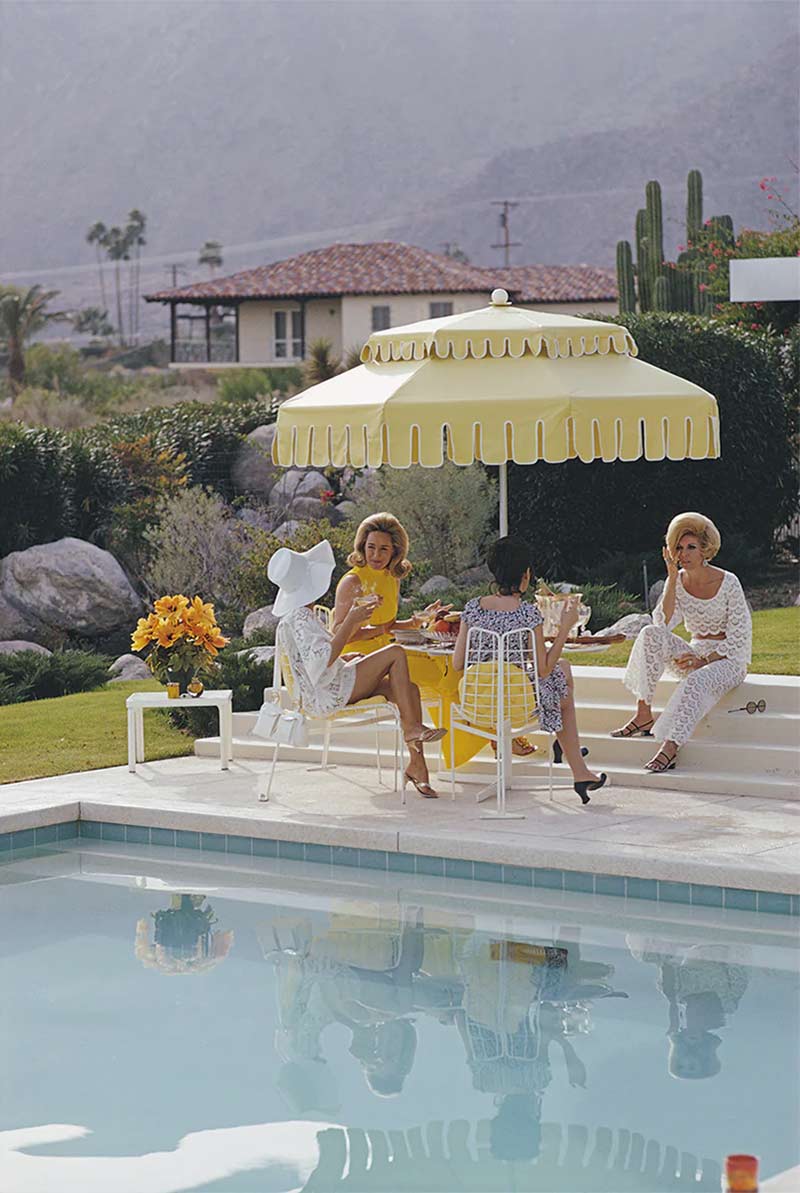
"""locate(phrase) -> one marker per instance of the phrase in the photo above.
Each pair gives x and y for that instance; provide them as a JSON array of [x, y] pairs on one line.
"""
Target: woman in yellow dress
[[378, 562]]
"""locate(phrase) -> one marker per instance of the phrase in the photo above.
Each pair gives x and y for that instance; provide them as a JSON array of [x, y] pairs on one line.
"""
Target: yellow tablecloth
[[435, 676]]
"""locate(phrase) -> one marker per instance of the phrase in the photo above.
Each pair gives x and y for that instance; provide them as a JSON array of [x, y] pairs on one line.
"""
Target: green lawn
[[89, 730], [776, 645], [81, 732]]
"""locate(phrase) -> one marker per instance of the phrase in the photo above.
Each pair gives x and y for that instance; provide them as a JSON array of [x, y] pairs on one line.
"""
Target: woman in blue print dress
[[505, 610]]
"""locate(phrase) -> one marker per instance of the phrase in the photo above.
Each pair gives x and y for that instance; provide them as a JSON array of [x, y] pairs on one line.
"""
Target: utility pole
[[174, 270], [506, 243]]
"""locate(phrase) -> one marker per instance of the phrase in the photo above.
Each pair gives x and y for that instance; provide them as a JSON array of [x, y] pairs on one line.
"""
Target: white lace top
[[724, 613], [323, 688]]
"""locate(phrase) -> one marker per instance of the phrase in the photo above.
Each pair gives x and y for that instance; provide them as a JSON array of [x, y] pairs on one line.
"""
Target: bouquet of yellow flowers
[[183, 638]]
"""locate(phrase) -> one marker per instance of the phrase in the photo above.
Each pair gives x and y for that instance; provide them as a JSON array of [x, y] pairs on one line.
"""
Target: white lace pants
[[696, 694]]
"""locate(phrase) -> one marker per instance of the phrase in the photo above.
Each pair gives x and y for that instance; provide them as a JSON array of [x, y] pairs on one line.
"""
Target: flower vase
[[181, 677]]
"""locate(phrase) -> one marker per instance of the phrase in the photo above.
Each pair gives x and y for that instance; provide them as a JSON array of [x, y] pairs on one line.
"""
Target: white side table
[[139, 701]]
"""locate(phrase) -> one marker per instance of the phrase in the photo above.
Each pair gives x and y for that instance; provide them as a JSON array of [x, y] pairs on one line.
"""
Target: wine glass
[[584, 614]]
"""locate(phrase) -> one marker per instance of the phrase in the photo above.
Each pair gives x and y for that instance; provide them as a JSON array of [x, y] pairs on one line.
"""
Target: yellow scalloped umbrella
[[498, 384]]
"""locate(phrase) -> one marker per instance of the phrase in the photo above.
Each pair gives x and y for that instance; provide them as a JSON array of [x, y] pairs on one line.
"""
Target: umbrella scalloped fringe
[[382, 348]]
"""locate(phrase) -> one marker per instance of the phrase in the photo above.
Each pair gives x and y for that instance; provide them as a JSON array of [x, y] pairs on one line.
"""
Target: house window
[[440, 309], [381, 318], [288, 340]]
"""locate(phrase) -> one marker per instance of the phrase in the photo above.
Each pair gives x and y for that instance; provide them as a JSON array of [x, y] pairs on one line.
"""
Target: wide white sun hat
[[302, 576]]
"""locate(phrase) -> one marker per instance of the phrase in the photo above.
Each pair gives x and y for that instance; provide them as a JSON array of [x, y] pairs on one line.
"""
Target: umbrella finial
[[500, 298]]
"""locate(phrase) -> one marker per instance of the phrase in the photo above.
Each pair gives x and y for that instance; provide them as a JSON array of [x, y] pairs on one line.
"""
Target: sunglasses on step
[[751, 707]]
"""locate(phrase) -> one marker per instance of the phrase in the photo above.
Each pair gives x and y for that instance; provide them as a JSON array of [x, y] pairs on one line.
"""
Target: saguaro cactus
[[655, 227], [694, 203], [625, 283], [642, 262], [662, 294]]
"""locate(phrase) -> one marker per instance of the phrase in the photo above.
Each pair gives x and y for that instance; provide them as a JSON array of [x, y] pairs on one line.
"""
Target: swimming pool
[[182, 1023]]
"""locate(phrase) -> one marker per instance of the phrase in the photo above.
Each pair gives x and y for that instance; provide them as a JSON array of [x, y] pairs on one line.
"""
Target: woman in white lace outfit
[[712, 606], [326, 681]]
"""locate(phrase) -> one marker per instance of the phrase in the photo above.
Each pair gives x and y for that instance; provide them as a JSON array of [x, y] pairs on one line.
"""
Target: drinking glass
[[584, 614]]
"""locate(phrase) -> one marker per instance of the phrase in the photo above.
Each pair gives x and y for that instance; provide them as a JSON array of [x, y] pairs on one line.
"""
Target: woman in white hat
[[325, 680]]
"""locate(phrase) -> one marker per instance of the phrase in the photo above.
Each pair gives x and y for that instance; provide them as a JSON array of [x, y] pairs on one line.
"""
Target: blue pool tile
[[264, 847], [795, 905], [294, 851], [487, 872], [457, 867], [641, 888], [137, 834], [23, 839], [430, 865], [114, 832], [518, 875], [213, 842], [5, 842], [240, 845], [318, 853], [574, 880], [187, 839], [775, 902], [674, 892], [162, 836], [67, 831], [372, 859], [740, 900], [46, 835], [609, 884], [402, 863], [343, 855], [91, 829], [706, 896], [552, 879]]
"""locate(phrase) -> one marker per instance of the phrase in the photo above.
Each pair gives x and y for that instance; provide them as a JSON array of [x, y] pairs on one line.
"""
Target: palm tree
[[211, 255], [117, 246], [134, 231], [95, 236], [22, 314], [321, 364]]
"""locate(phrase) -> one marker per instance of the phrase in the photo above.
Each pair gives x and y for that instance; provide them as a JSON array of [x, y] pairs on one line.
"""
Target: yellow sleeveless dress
[[384, 584]]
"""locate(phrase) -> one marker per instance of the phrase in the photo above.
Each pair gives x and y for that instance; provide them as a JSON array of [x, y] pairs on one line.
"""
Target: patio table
[[431, 669], [221, 699]]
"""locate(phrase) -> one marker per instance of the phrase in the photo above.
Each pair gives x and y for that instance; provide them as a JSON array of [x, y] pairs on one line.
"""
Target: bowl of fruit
[[443, 629]]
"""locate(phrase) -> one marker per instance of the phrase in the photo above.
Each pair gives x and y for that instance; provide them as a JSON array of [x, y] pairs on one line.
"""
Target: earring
[[705, 563]]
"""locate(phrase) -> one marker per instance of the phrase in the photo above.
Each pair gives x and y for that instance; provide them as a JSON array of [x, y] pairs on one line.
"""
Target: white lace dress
[[323, 688], [656, 647]]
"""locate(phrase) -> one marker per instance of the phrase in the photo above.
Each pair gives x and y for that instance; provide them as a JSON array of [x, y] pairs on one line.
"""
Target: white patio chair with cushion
[[374, 710], [498, 701]]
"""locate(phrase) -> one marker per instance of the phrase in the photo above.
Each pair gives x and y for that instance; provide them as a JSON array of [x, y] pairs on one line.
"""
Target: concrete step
[[690, 777], [604, 685]]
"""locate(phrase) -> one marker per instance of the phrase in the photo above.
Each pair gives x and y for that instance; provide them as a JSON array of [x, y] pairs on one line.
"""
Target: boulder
[[629, 625], [287, 529], [259, 519], [17, 645], [129, 666], [294, 483], [654, 595], [253, 470], [70, 586], [258, 654], [14, 623], [364, 481], [347, 510], [473, 576], [433, 585], [309, 509], [259, 619]]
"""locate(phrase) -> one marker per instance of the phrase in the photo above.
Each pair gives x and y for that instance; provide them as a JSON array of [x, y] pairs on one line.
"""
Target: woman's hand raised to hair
[[569, 614], [671, 562]]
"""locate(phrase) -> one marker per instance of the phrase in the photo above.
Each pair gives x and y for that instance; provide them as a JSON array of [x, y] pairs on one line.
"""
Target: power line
[[174, 269], [506, 243]]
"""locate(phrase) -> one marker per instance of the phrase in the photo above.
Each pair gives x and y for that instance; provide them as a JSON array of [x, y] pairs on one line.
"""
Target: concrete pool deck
[[672, 836]]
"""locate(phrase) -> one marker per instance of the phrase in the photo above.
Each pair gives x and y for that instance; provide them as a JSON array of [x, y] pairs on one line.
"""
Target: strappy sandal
[[633, 729], [424, 789], [429, 734], [520, 747], [660, 762]]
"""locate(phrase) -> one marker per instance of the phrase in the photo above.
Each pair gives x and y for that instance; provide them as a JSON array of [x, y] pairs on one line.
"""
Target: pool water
[[169, 1023]]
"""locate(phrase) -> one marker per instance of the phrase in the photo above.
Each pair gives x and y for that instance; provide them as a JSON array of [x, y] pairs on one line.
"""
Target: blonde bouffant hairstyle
[[383, 523], [700, 526]]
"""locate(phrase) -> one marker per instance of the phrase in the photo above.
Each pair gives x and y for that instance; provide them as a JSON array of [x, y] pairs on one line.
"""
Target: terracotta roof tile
[[386, 267]]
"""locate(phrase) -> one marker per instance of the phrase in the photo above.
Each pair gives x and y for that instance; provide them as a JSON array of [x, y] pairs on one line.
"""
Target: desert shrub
[[245, 385], [195, 546], [254, 588], [28, 675], [151, 476], [246, 677], [37, 490], [449, 512], [577, 514]]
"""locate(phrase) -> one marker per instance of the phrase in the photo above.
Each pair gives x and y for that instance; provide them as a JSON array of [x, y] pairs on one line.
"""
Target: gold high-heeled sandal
[[429, 734], [423, 789]]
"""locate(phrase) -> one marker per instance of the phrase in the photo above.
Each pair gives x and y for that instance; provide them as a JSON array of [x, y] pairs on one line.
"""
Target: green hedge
[[578, 516], [29, 675], [55, 483]]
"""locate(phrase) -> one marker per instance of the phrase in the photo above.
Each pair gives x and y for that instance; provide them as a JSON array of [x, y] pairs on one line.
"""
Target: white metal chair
[[374, 710], [498, 701]]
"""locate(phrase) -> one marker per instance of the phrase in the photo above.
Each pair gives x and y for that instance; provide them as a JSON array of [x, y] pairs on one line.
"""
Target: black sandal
[[656, 768], [586, 785], [632, 729], [558, 753]]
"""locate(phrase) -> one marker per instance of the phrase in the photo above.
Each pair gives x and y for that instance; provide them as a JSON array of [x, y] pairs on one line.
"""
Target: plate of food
[[409, 637], [444, 630]]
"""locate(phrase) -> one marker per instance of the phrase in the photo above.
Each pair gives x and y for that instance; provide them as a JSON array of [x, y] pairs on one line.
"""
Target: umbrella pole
[[503, 500]]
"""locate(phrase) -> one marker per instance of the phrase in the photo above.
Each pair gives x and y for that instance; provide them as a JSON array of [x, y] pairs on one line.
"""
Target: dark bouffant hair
[[508, 560]]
